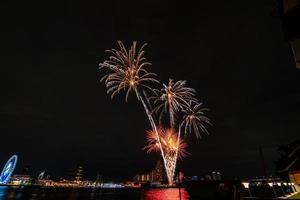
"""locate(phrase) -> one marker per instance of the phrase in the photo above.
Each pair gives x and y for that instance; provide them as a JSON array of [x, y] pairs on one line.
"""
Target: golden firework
[[126, 70], [173, 98], [168, 138]]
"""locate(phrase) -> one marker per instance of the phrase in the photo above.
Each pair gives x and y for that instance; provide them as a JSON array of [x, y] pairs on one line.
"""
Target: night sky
[[55, 114]]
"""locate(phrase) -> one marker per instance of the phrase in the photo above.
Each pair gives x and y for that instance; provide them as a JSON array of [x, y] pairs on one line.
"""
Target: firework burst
[[126, 70], [194, 119], [152, 142], [168, 138], [173, 98]]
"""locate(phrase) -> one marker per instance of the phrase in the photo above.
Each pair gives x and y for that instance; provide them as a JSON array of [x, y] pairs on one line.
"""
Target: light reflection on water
[[164, 194], [36, 193], [3, 192]]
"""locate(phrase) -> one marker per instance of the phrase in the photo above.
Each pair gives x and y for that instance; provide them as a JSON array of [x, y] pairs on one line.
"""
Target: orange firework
[[168, 138], [153, 145]]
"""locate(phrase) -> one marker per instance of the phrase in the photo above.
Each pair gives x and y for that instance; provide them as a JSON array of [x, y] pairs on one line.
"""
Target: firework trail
[[173, 147], [193, 120], [126, 71]]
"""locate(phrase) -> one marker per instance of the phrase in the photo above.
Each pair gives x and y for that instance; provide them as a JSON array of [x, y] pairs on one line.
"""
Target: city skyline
[[55, 114]]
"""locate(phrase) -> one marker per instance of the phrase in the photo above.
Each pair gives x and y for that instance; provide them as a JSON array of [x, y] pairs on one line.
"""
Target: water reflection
[[3, 190], [164, 194], [10, 192], [38, 193]]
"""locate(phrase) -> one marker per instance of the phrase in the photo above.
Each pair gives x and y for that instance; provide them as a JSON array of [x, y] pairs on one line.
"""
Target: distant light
[[270, 184], [246, 185], [112, 185]]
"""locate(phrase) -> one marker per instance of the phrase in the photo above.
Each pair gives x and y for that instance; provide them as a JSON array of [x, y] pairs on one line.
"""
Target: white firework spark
[[173, 98], [126, 70], [194, 119]]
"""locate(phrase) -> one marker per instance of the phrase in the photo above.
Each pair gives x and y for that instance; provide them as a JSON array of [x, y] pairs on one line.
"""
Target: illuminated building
[[78, 175], [8, 169], [290, 15], [98, 180], [156, 175], [289, 163], [20, 179], [45, 182], [141, 178]]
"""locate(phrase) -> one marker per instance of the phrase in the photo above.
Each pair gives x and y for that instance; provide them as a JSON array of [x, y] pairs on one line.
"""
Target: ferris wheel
[[8, 169]]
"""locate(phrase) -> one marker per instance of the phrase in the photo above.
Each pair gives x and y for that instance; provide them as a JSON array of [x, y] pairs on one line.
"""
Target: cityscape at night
[[150, 100]]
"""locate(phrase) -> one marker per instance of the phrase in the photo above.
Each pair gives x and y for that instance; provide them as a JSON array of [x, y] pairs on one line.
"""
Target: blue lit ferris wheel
[[8, 169]]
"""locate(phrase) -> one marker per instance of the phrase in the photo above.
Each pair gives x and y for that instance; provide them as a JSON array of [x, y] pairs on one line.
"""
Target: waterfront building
[[79, 173], [20, 179], [288, 166], [45, 182], [156, 175], [98, 180]]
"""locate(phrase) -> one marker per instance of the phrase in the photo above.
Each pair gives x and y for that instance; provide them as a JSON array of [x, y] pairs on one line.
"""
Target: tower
[[78, 175]]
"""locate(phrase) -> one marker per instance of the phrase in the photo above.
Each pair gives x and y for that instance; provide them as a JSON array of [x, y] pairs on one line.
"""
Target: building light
[[245, 184], [270, 184], [279, 184]]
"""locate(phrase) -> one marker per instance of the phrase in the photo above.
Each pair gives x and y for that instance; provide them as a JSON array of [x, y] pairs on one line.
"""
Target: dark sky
[[55, 114]]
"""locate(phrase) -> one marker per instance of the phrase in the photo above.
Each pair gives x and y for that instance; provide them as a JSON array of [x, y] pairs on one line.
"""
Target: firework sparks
[[194, 119], [152, 143], [173, 98], [168, 138], [126, 70]]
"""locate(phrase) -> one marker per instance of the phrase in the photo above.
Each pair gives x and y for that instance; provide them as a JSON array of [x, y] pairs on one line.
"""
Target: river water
[[37, 193]]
